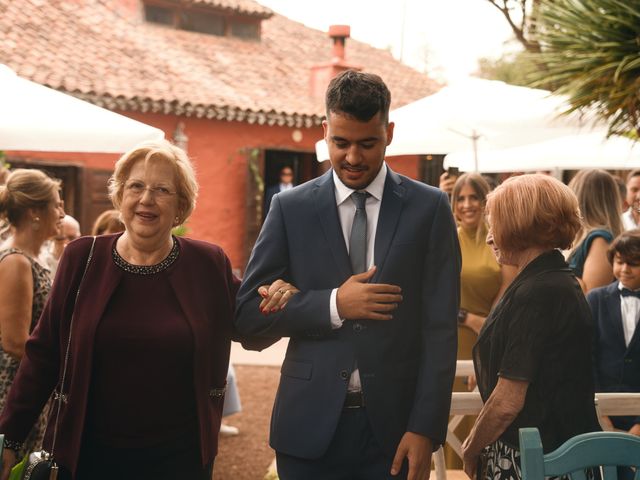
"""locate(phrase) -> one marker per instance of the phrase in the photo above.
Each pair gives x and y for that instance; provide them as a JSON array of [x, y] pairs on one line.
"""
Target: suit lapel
[[390, 209], [325, 201]]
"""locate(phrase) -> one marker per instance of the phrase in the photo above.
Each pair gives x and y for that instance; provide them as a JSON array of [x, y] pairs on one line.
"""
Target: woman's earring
[[35, 223], [176, 221]]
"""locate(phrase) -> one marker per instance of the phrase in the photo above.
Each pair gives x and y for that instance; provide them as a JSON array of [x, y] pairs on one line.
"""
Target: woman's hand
[[474, 322], [447, 182], [470, 460], [8, 462], [275, 296]]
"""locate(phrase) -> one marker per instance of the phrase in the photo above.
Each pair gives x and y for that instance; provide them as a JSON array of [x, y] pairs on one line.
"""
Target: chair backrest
[[608, 450]]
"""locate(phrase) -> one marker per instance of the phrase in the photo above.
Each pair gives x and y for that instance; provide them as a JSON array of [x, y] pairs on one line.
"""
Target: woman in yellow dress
[[482, 280]]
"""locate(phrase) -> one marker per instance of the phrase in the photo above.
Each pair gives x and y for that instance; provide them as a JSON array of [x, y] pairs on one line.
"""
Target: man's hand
[[357, 299], [635, 430], [417, 449], [275, 296], [8, 462]]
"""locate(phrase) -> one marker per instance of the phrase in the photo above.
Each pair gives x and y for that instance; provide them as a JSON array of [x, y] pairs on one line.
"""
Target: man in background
[[285, 183], [631, 217]]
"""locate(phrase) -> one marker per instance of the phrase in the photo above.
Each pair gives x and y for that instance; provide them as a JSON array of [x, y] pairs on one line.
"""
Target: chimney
[[322, 74]]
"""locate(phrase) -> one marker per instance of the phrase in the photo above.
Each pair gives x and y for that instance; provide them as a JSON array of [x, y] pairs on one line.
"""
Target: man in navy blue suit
[[360, 268]]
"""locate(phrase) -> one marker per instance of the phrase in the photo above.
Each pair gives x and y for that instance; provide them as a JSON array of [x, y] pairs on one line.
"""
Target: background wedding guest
[[538, 338], [107, 222], [30, 203], [616, 309], [231, 404], [285, 183], [600, 206], [68, 231], [631, 215]]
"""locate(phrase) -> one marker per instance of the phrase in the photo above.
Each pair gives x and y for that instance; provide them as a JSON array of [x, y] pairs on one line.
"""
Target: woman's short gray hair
[[186, 185]]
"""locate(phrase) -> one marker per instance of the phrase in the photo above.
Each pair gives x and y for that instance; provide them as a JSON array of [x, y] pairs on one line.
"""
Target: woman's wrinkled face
[[469, 208], [502, 257], [150, 204]]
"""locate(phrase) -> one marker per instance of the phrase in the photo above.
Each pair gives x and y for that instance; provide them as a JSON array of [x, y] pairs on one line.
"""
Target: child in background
[[616, 309]]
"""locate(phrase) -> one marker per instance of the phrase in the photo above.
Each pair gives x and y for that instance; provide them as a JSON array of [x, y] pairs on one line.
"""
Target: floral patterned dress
[[8, 364]]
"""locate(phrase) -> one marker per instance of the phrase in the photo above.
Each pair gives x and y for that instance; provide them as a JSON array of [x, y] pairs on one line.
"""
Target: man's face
[[70, 231], [633, 193], [356, 149], [286, 175]]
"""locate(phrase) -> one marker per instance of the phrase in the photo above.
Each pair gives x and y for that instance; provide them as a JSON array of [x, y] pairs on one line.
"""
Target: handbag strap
[[59, 396]]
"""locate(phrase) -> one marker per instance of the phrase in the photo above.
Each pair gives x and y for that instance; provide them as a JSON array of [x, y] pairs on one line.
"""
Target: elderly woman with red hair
[[533, 355]]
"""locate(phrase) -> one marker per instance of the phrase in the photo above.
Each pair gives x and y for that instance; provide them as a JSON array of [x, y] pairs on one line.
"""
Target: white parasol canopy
[[572, 152], [476, 115], [37, 118]]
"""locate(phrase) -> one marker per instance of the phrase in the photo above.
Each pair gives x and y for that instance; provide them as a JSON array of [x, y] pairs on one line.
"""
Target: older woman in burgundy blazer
[[150, 338]]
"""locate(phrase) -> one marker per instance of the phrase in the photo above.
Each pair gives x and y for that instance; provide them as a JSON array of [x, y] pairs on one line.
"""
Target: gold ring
[[282, 292]]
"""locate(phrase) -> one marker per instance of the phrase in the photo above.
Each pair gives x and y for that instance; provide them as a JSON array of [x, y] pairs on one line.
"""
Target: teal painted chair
[[608, 450]]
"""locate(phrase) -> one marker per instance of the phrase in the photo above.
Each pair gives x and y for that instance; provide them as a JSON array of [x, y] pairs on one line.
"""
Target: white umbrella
[[571, 152], [477, 115], [37, 118]]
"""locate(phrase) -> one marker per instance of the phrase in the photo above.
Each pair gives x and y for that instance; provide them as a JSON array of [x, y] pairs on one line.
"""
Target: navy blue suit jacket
[[407, 364], [617, 366]]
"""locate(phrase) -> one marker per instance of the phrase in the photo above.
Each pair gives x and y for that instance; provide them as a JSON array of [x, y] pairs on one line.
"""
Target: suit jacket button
[[344, 375], [357, 327]]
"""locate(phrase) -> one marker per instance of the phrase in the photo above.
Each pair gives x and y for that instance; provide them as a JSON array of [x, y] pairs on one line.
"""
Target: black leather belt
[[354, 400]]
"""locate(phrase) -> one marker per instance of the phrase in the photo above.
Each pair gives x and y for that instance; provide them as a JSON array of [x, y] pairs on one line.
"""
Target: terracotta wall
[[219, 150]]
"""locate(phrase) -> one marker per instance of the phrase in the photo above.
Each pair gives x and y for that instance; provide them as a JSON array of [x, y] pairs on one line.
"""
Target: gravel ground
[[248, 455]]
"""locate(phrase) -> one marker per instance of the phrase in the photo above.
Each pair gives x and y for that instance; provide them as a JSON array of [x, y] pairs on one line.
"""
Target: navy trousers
[[354, 454]]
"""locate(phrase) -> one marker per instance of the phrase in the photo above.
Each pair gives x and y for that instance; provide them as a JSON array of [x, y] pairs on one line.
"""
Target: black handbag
[[42, 465]]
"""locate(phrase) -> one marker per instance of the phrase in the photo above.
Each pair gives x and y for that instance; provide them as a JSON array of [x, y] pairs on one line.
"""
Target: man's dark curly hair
[[360, 95]]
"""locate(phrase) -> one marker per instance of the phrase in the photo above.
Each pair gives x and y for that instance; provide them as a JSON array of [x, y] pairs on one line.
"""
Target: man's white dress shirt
[[628, 222], [630, 311], [346, 213]]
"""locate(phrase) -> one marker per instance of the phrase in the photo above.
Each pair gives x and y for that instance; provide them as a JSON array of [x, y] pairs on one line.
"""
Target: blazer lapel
[[390, 209], [325, 201]]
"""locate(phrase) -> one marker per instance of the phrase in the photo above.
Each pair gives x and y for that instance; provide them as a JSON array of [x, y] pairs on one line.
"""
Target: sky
[[445, 38]]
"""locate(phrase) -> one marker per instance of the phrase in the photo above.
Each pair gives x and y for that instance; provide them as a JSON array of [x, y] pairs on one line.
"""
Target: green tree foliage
[[590, 51], [515, 69]]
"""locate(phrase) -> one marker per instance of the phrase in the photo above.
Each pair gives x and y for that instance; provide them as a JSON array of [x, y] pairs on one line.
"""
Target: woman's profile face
[[52, 215], [503, 257], [149, 204], [469, 208]]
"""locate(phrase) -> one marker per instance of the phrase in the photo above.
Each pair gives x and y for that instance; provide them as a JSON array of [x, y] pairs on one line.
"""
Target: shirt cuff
[[336, 321]]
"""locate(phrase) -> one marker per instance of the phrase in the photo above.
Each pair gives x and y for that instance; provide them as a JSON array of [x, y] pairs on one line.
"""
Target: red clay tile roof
[[96, 51], [241, 6]]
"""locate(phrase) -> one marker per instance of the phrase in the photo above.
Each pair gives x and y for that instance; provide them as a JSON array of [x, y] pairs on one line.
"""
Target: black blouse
[[541, 332]]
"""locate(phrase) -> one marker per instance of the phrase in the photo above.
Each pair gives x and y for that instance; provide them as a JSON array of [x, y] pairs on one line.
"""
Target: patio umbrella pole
[[474, 139]]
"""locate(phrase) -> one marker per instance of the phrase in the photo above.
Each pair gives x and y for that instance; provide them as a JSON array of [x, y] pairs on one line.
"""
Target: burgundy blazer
[[205, 287]]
